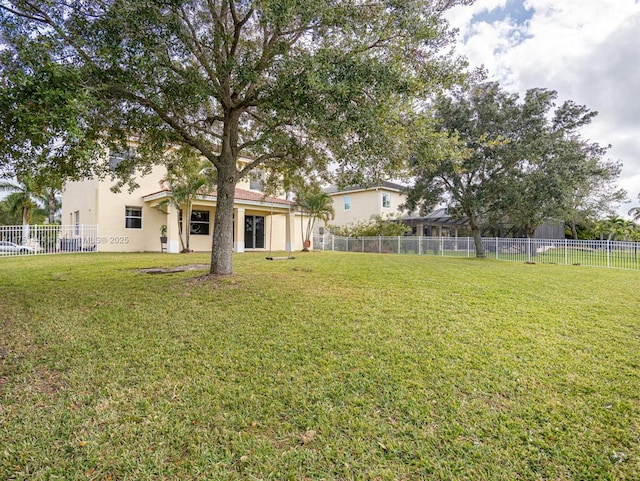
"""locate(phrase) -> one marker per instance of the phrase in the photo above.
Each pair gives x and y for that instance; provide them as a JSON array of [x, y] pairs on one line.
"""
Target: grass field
[[330, 366]]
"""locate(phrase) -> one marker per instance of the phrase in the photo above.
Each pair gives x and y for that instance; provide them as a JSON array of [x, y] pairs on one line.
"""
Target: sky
[[586, 50]]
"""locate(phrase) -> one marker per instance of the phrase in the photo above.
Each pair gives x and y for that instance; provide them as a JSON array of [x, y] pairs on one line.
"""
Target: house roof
[[352, 188], [240, 195], [438, 216]]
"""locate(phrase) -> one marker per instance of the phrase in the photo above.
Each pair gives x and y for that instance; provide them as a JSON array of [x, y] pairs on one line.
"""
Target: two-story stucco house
[[355, 204], [132, 221]]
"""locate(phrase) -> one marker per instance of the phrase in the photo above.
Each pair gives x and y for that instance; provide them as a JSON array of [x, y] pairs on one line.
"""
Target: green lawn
[[330, 366]]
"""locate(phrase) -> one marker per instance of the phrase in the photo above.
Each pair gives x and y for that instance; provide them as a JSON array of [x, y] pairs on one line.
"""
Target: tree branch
[[259, 161], [197, 49], [169, 120]]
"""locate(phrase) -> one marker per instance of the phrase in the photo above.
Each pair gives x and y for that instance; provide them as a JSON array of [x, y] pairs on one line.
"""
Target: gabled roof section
[[356, 188]]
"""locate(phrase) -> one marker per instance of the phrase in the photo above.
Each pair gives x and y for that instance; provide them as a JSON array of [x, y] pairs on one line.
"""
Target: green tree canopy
[[617, 228], [25, 198], [466, 165], [288, 84], [502, 159]]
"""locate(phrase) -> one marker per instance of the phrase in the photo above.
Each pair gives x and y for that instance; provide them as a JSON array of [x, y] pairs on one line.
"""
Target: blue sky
[[514, 11], [587, 50]]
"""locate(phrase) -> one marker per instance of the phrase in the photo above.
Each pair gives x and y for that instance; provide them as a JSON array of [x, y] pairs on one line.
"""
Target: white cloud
[[587, 50]]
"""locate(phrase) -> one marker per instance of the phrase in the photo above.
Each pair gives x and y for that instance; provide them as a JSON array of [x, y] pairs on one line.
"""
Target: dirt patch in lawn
[[173, 270]]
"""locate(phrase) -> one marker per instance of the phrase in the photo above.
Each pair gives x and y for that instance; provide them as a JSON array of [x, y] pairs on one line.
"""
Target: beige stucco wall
[[97, 204], [364, 204], [84, 194], [274, 239], [113, 234]]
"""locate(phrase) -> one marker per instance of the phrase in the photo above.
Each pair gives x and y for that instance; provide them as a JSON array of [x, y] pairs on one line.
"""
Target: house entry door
[[254, 232]]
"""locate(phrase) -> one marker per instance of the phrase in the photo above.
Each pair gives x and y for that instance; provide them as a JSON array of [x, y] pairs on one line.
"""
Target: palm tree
[[317, 205], [616, 228], [23, 198], [635, 212], [186, 177]]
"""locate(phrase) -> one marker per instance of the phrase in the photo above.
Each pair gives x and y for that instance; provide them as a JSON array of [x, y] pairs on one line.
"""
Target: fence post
[[441, 246], [608, 253], [497, 248], [419, 245], [529, 249], [566, 253]]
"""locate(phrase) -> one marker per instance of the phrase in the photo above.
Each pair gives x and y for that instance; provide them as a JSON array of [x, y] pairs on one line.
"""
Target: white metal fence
[[595, 253], [47, 239]]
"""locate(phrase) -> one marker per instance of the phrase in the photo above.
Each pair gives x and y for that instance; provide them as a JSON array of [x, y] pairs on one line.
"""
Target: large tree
[[595, 196], [287, 84], [503, 159], [559, 174], [466, 164]]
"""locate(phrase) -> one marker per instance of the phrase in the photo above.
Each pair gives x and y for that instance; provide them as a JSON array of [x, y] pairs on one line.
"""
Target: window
[[116, 157], [256, 180], [133, 217], [386, 199], [76, 221], [199, 222], [347, 202]]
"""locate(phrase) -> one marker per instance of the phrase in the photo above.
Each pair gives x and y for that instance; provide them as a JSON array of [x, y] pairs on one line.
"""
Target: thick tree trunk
[[222, 247], [477, 240], [574, 230]]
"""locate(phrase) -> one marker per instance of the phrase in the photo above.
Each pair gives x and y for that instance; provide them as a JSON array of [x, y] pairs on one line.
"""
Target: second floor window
[[116, 157], [347, 202], [386, 199], [256, 180]]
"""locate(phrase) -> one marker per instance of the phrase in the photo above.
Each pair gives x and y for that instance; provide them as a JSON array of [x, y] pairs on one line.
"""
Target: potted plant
[[163, 234]]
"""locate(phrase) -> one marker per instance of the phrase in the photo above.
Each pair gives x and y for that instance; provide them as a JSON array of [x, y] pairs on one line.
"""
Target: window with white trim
[[133, 217], [347, 202], [256, 180], [386, 199]]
